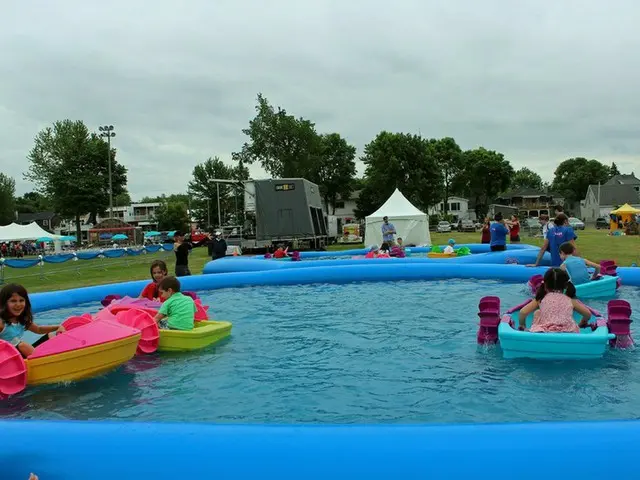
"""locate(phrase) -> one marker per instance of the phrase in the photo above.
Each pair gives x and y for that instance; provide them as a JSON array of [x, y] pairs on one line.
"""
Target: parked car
[[443, 227], [602, 222], [576, 223], [466, 226]]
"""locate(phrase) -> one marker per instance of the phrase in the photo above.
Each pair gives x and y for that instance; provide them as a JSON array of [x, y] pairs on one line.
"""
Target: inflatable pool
[[250, 264], [590, 343]]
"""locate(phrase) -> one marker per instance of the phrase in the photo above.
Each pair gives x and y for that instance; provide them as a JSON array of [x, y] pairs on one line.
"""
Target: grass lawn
[[593, 244]]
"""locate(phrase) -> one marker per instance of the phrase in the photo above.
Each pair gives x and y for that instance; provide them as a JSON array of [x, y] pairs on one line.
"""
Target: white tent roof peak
[[397, 205], [15, 232]]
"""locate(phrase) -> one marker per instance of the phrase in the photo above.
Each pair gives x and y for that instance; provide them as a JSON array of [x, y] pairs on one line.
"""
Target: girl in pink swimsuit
[[554, 305]]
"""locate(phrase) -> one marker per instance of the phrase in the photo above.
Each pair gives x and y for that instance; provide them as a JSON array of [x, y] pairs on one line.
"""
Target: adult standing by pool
[[499, 233], [182, 247], [558, 234], [388, 231]]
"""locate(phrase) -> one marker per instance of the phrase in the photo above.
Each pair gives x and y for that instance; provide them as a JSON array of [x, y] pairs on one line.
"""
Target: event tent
[[411, 224], [15, 232]]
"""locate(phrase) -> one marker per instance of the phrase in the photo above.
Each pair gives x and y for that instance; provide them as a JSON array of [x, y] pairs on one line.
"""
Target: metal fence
[[37, 266]]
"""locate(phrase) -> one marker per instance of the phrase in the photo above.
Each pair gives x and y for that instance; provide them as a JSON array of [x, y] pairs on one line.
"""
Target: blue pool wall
[[250, 264], [474, 247], [380, 271], [108, 450]]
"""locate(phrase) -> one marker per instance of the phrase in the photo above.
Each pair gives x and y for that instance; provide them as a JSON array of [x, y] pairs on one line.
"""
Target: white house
[[458, 208], [600, 200], [345, 208]]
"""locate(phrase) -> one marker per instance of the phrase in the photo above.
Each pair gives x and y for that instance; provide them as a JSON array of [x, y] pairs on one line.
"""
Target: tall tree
[[486, 173], [7, 199], [525, 178], [613, 170], [448, 156], [122, 199], [205, 190], [173, 216], [335, 169], [399, 160], [69, 165], [573, 177], [32, 202], [284, 145]]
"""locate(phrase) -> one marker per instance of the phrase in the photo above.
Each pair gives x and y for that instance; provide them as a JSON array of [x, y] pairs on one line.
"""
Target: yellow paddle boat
[[441, 255], [78, 354], [203, 334]]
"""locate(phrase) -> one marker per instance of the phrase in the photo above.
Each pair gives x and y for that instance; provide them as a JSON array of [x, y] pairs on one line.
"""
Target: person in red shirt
[[280, 252], [514, 233], [158, 271], [486, 231]]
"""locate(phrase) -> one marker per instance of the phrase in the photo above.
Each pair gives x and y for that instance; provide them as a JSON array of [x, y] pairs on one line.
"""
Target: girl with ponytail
[[554, 305]]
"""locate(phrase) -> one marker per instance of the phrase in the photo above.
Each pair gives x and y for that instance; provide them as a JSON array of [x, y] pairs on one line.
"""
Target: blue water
[[358, 353]]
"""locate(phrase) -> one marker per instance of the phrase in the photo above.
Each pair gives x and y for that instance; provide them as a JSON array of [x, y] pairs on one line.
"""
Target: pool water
[[401, 352]]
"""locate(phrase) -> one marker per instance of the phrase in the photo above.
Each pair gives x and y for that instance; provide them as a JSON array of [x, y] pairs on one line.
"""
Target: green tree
[[486, 173], [122, 199], [204, 189], [613, 170], [525, 178], [284, 145], [399, 160], [573, 177], [448, 156], [335, 169], [173, 216], [7, 199], [33, 202], [69, 165]]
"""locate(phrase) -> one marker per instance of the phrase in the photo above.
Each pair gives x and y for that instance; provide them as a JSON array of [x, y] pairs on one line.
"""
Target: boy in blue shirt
[[558, 234], [499, 233], [575, 266]]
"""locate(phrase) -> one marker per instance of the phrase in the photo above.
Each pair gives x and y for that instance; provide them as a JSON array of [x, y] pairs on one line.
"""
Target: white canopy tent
[[14, 232], [411, 223]]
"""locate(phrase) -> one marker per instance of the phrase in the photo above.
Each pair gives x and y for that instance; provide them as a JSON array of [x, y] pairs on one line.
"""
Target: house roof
[[616, 194], [34, 217], [623, 180]]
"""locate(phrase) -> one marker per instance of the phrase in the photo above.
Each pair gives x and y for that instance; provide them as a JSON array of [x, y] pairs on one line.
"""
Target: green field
[[594, 245]]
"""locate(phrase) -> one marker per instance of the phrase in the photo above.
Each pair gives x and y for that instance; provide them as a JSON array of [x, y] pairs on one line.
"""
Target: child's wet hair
[[158, 264], [26, 319], [556, 280], [567, 248], [169, 283]]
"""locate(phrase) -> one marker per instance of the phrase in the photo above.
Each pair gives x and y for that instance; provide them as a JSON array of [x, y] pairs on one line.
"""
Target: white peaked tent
[[15, 232], [411, 224]]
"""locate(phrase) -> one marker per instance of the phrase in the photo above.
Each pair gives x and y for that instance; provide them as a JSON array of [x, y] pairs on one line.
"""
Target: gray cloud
[[539, 82]]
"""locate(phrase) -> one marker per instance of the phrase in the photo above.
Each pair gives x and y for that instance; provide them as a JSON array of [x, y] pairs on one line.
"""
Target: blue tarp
[[21, 262], [87, 255], [58, 258], [115, 253]]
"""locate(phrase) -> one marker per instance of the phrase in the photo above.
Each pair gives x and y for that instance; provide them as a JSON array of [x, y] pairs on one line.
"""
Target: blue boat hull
[[588, 344]]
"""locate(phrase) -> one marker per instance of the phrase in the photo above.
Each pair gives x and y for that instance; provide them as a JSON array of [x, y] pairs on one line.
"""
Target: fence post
[[75, 259], [1, 271], [41, 265]]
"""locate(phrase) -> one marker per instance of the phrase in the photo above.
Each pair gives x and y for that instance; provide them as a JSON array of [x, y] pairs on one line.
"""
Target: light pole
[[107, 132]]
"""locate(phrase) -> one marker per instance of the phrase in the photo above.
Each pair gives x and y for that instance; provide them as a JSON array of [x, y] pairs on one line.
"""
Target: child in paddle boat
[[373, 252], [449, 248], [384, 251], [158, 271], [398, 249], [576, 266], [178, 310], [16, 317], [280, 252], [554, 305]]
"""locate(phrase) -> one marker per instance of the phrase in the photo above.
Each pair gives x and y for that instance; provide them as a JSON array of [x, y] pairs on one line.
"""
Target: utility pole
[[107, 132]]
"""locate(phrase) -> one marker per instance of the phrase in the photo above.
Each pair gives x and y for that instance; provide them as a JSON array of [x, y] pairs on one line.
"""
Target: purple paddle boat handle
[[519, 307]]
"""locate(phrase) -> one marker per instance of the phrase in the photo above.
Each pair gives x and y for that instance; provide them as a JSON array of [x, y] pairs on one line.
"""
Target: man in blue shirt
[[388, 231], [558, 234], [499, 233]]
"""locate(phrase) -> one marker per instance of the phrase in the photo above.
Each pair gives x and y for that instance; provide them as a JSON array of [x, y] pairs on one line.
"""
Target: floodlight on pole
[[107, 132]]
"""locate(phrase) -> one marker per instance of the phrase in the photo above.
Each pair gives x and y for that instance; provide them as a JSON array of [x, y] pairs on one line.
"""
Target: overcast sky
[[540, 81]]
